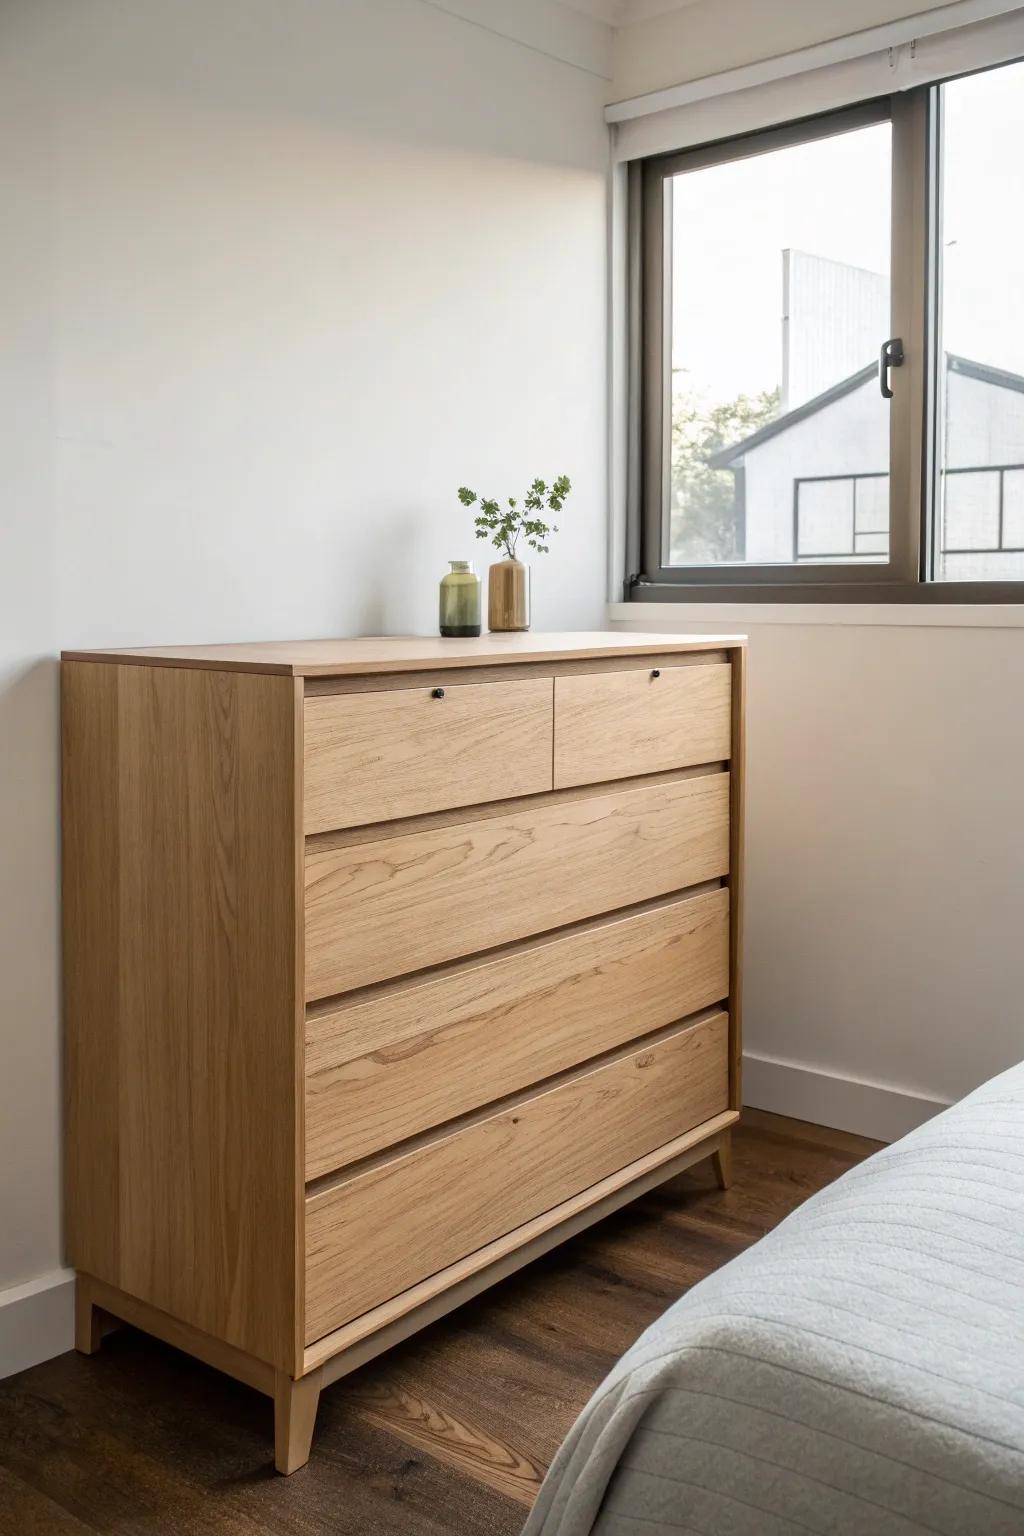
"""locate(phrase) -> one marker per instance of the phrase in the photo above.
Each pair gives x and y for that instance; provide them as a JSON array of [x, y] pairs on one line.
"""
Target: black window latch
[[891, 356]]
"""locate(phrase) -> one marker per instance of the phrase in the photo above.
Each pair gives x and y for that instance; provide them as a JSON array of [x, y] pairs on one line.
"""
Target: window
[[777, 454], [979, 522]]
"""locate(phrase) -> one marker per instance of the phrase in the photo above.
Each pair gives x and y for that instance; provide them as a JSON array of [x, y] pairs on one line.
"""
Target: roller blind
[[835, 74]]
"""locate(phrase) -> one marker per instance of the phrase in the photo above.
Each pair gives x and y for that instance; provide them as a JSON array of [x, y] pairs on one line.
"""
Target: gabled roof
[[985, 373], [725, 458]]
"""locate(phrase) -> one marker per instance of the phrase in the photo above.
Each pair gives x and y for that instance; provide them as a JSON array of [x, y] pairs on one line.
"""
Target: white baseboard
[[845, 1103], [37, 1321]]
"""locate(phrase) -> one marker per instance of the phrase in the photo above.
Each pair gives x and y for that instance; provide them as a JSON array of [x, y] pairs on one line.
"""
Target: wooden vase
[[508, 595]]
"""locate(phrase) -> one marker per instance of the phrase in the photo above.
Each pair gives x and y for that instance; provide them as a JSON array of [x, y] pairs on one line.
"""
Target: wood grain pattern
[[204, 1346], [88, 1322], [180, 988], [389, 1065], [500, 977], [612, 725], [297, 1032], [458, 1442], [508, 597], [722, 1161], [373, 832], [295, 1405], [349, 1347], [150, 1441], [737, 841], [426, 1208], [400, 653], [508, 672], [375, 756], [402, 903]]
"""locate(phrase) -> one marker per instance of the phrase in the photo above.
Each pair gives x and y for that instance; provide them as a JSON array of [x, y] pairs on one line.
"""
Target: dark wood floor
[[449, 1435]]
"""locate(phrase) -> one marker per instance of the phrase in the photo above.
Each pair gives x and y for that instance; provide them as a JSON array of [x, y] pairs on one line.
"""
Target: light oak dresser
[[388, 965]]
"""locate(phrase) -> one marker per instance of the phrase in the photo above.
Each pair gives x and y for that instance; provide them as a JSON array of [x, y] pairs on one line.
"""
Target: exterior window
[[776, 454], [979, 522], [778, 302]]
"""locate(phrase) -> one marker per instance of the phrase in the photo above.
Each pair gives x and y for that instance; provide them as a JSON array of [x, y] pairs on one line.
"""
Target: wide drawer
[[383, 907], [416, 1055], [612, 725], [376, 1234], [377, 756]]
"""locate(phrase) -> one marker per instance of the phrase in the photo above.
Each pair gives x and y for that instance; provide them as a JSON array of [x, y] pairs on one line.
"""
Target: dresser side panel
[[202, 1026]]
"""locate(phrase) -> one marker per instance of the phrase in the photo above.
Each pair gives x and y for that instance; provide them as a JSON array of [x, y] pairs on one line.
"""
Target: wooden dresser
[[388, 964]]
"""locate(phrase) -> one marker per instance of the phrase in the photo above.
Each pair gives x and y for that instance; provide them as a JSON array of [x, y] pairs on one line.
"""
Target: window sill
[[683, 615]]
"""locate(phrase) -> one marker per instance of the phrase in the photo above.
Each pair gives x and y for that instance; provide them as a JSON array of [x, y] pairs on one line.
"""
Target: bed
[[858, 1372]]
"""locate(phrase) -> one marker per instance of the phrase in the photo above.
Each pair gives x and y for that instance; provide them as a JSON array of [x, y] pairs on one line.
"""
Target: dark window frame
[[907, 576], [852, 478]]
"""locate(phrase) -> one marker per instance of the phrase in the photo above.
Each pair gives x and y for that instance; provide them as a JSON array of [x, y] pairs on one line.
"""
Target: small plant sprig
[[505, 528]]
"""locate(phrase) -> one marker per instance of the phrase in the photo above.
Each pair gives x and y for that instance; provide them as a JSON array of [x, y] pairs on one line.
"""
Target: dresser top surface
[[404, 653]]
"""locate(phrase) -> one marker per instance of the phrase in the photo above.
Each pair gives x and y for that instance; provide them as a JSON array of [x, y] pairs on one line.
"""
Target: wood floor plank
[[448, 1435], [427, 1426], [24, 1511]]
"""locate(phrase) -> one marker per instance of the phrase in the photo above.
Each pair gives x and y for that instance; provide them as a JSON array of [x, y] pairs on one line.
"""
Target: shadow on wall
[[388, 594], [29, 965]]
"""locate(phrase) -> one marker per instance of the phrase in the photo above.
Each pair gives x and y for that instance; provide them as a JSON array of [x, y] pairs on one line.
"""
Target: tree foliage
[[704, 512]]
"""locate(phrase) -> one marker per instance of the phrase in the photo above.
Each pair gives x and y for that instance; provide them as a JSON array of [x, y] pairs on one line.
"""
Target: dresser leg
[[295, 1405], [88, 1332], [721, 1159]]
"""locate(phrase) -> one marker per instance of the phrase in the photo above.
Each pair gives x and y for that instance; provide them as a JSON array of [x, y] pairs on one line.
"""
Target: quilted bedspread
[[858, 1372]]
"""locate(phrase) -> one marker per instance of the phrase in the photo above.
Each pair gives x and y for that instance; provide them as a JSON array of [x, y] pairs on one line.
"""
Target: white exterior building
[[834, 317], [813, 485]]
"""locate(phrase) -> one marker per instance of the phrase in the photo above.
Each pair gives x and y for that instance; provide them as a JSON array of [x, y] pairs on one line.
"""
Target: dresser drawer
[[417, 1055], [611, 725], [380, 908], [381, 1231], [377, 756]]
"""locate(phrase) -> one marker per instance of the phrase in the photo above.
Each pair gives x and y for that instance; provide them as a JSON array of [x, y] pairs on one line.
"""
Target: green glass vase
[[460, 600]]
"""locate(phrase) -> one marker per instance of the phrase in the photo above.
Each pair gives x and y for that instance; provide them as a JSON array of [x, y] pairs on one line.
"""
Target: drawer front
[[388, 906], [611, 725], [414, 1057], [377, 756], [385, 1229]]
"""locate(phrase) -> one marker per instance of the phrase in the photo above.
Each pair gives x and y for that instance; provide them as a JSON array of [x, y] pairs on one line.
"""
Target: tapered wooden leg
[[88, 1332], [721, 1159], [295, 1405]]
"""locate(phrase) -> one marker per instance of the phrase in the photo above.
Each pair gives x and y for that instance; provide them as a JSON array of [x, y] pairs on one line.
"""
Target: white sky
[[831, 198]]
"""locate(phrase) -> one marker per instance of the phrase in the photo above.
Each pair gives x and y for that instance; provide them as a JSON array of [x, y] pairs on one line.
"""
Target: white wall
[[708, 36], [885, 859], [276, 278]]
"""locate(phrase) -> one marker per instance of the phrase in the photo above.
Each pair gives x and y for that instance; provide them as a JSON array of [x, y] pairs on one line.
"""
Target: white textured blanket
[[859, 1372]]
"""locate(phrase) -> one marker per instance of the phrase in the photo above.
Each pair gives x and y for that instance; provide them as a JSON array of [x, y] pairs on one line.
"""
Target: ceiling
[[623, 13]]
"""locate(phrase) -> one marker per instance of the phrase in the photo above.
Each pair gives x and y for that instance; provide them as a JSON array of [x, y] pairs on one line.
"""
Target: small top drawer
[[404, 752], [612, 725]]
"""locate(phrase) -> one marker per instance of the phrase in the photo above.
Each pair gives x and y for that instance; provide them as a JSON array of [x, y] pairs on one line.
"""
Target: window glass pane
[[971, 511], [779, 304], [824, 518], [1013, 509], [979, 502], [873, 506]]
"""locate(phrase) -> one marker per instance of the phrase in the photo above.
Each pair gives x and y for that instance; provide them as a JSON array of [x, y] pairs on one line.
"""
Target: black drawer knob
[[437, 693], [656, 672]]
